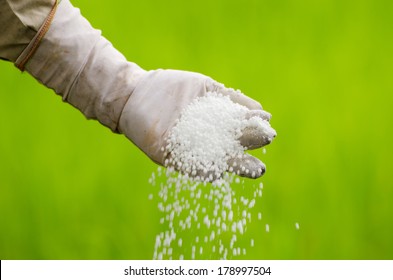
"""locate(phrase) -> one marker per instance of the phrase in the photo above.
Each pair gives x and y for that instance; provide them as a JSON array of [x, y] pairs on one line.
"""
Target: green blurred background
[[70, 189]]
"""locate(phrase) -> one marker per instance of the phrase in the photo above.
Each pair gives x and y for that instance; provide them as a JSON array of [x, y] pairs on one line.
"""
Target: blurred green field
[[71, 189]]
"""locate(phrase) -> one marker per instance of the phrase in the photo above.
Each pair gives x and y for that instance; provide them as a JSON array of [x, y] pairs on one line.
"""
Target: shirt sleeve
[[19, 22]]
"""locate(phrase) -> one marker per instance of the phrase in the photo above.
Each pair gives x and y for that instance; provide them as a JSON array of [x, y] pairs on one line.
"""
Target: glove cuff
[[83, 67]]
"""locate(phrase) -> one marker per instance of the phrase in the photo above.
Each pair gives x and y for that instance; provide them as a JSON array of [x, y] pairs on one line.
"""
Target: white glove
[[82, 66], [157, 102]]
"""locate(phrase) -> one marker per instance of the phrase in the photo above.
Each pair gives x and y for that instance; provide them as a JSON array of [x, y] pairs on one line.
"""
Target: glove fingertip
[[248, 166]]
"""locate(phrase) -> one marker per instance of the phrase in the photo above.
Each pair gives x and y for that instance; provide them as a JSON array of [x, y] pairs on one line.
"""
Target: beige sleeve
[[19, 22]]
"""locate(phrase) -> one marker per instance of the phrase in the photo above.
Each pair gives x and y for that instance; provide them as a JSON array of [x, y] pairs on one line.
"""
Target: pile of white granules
[[202, 214]]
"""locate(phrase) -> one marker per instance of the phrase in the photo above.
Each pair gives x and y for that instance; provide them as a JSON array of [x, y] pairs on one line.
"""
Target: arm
[[84, 68], [79, 64]]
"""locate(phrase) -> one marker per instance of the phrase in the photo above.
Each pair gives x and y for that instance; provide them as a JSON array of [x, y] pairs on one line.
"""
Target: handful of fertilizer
[[207, 145], [210, 138]]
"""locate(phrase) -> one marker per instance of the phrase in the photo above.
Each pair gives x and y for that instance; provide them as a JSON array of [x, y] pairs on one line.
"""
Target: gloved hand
[[157, 102], [89, 73]]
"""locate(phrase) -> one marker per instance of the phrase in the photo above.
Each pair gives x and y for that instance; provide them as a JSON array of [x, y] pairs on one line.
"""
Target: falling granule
[[297, 226], [267, 227], [197, 199], [259, 216]]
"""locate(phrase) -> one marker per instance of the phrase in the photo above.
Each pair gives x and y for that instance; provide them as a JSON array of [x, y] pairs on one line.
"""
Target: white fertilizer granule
[[202, 214]]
